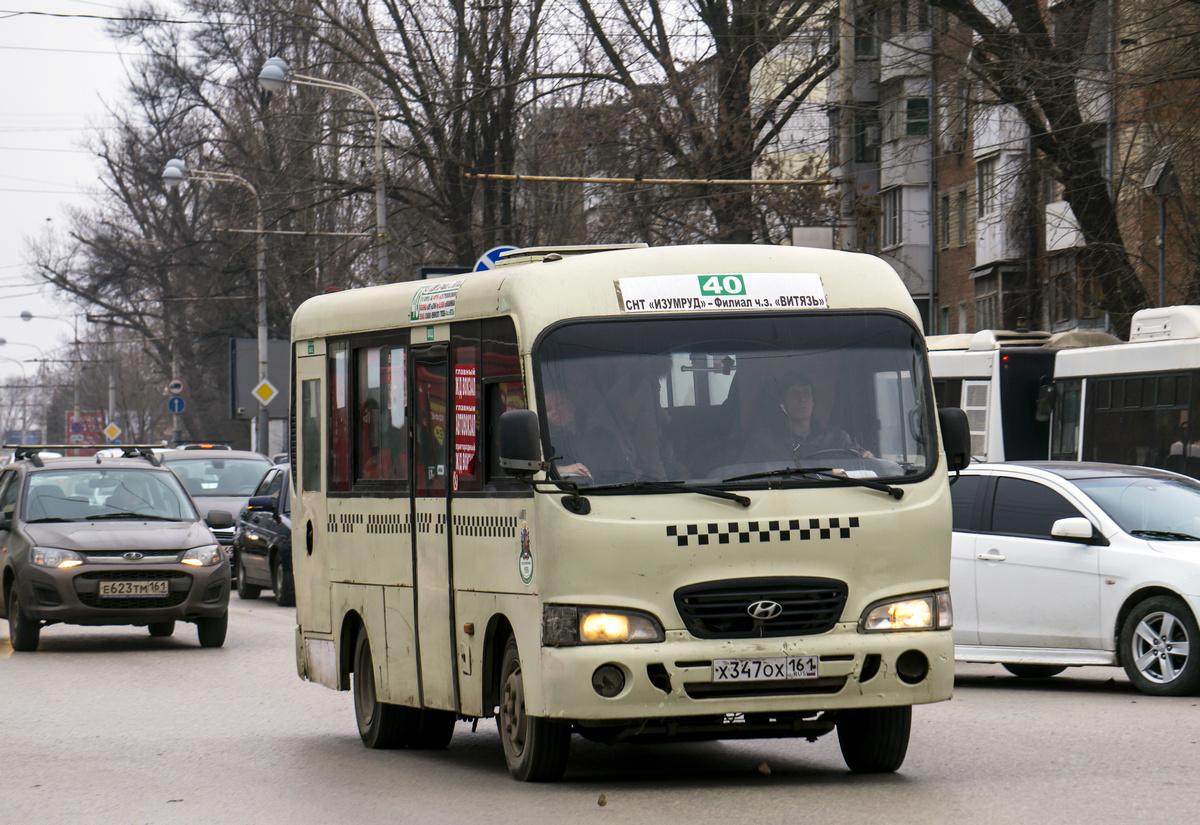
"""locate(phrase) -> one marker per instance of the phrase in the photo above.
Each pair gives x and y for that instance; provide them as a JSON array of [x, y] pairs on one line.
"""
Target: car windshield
[[101, 493], [212, 475], [1148, 504], [733, 400]]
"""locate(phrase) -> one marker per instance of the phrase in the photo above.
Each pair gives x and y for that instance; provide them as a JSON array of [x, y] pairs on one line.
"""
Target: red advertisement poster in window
[[465, 416]]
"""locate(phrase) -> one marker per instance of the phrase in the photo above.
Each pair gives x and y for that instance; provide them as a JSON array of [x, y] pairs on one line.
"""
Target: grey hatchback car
[[107, 541]]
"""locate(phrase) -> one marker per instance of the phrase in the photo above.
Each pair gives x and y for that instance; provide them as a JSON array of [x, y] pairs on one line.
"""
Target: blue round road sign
[[176, 404], [489, 259]]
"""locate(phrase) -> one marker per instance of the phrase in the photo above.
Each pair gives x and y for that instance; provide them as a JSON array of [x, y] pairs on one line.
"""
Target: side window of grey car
[[9, 482], [1027, 508], [276, 485]]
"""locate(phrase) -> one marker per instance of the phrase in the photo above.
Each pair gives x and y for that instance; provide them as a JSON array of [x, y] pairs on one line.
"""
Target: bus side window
[[310, 428], [339, 417]]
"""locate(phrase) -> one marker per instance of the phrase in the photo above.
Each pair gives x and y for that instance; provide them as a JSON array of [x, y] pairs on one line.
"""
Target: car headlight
[[928, 611], [570, 625], [53, 557], [205, 556]]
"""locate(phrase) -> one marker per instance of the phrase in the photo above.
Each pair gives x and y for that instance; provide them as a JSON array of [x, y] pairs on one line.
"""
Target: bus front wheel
[[536, 749], [874, 740]]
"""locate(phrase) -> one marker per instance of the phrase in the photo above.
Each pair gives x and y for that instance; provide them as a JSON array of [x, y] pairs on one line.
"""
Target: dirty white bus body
[[646, 567]]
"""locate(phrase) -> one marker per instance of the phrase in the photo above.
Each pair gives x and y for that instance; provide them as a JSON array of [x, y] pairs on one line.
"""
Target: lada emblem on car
[[133, 556], [764, 610]]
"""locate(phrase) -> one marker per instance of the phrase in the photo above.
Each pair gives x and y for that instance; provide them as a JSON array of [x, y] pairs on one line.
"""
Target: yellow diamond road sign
[[112, 432], [264, 391]]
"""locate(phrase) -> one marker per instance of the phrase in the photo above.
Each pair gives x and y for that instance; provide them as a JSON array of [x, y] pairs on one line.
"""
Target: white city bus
[[626, 568], [1080, 396]]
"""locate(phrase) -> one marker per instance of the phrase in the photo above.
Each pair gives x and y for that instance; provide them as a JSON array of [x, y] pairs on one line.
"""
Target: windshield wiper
[[828, 473], [1165, 535], [131, 516], [50, 520], [671, 486]]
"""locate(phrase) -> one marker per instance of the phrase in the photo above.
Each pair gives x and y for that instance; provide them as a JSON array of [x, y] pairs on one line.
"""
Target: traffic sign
[[175, 386], [112, 432], [176, 404], [489, 259], [264, 391]]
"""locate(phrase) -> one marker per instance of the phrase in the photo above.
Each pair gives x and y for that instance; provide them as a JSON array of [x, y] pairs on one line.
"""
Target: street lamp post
[[275, 75], [175, 173]]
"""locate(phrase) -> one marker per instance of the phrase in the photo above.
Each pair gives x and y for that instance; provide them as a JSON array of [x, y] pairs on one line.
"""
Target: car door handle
[[992, 555]]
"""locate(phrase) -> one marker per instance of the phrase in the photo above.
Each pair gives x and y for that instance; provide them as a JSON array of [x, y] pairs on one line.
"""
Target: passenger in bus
[[787, 429]]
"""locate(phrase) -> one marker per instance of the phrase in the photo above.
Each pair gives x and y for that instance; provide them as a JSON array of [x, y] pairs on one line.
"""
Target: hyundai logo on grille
[[135, 556], [764, 610]]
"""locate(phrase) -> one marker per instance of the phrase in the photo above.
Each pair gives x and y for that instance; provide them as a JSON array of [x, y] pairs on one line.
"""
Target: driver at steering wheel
[[793, 433]]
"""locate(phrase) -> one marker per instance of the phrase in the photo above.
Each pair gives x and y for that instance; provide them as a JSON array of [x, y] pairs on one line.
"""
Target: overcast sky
[[60, 72]]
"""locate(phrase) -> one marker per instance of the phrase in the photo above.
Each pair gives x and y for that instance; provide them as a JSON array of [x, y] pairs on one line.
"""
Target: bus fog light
[[912, 667], [608, 681]]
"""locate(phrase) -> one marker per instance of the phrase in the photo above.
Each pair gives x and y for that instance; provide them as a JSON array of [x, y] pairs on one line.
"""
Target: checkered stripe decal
[[343, 522], [735, 532], [387, 523], [486, 526], [427, 524]]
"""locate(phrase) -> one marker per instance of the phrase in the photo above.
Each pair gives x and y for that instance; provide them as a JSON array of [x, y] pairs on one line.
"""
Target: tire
[[284, 596], [24, 633], [385, 726], [161, 629], [1156, 641], [212, 630], [246, 590], [535, 749], [874, 740], [1035, 671]]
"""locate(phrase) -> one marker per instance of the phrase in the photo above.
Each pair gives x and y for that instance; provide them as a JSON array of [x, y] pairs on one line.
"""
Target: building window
[[944, 221], [866, 138], [917, 116], [864, 33], [987, 196], [963, 216], [889, 219], [892, 107], [1074, 292], [944, 322], [987, 301]]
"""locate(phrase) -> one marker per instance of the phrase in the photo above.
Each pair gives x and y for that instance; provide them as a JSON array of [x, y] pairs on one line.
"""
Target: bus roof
[[569, 285]]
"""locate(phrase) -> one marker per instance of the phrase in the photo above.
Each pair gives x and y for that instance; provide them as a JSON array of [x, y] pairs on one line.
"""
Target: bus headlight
[[53, 557], [929, 611], [571, 625], [205, 556]]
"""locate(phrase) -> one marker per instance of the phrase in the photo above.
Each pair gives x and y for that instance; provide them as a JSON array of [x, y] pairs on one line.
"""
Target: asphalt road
[[109, 725]]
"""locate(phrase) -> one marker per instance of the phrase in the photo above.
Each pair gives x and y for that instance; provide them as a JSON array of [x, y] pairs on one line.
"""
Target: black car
[[262, 545]]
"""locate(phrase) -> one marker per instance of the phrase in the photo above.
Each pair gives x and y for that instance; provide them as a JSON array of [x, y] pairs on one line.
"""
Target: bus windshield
[[735, 399]]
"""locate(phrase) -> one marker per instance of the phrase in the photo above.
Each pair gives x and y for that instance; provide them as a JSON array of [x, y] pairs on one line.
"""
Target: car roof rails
[[33, 451]]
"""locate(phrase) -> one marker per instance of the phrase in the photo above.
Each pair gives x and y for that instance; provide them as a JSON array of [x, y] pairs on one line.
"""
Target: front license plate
[[764, 670], [127, 589]]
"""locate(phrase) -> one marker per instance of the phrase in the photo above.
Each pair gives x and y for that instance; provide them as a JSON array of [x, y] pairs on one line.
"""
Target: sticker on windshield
[[721, 293]]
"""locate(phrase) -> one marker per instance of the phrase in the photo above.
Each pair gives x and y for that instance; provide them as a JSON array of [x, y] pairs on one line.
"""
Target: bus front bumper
[[676, 678]]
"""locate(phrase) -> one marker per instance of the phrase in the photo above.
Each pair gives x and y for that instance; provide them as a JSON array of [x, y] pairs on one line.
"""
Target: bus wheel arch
[[347, 639], [499, 631]]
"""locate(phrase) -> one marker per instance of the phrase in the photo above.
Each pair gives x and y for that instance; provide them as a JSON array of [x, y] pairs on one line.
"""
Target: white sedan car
[[1057, 564]]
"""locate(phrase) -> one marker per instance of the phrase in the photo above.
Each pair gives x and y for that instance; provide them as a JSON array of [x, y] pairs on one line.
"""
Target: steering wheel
[[835, 452]]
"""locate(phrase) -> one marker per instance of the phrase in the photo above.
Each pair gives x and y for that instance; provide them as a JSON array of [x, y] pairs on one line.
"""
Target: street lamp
[[275, 75], [28, 316], [175, 173]]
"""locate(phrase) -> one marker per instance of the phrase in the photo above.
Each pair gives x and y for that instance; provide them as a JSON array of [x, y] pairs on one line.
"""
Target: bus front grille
[[743, 608]]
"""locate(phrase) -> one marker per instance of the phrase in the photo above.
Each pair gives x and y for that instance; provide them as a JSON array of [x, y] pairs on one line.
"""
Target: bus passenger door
[[310, 550], [430, 450]]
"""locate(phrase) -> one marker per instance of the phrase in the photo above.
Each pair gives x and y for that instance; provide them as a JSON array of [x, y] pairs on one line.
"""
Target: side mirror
[[520, 443], [219, 519], [1073, 529], [1045, 402], [260, 503], [956, 437]]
